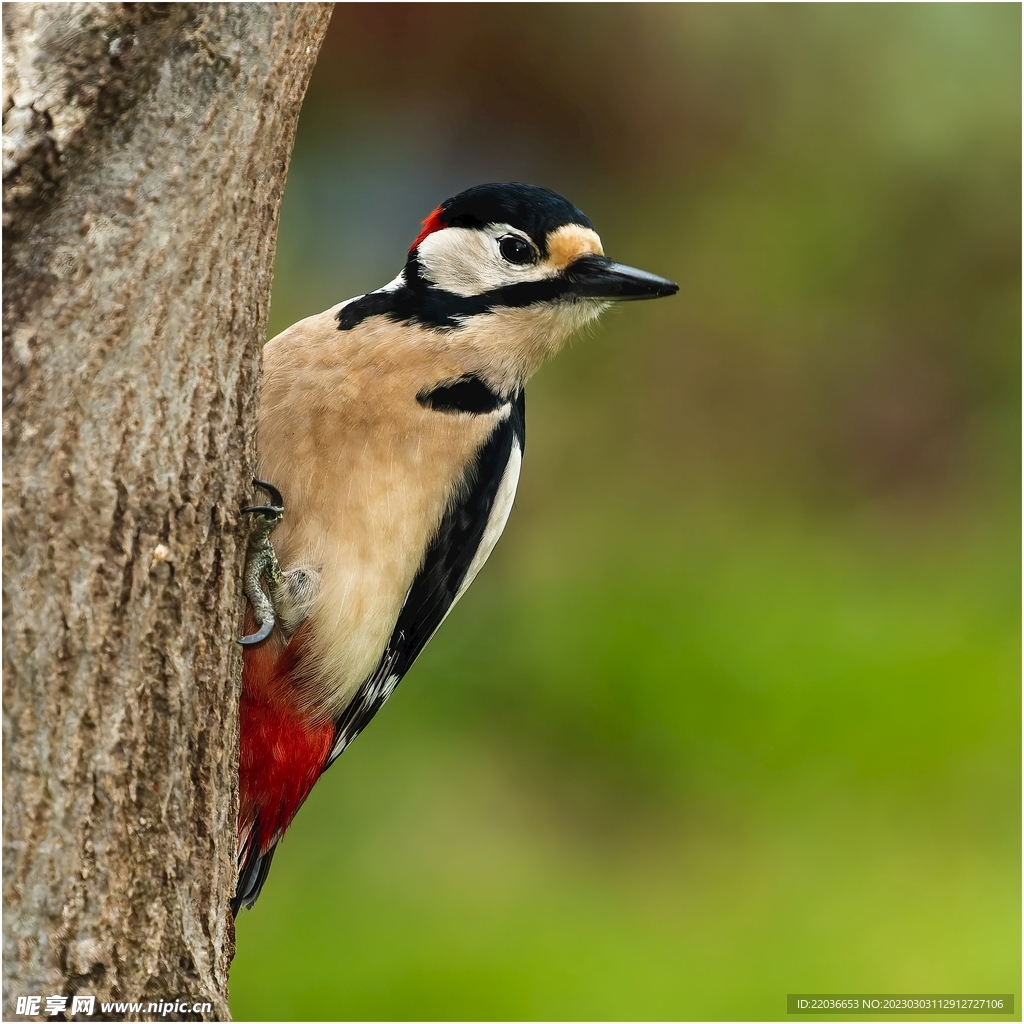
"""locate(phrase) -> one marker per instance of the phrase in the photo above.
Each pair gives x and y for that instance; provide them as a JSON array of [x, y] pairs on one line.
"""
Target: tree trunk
[[145, 153]]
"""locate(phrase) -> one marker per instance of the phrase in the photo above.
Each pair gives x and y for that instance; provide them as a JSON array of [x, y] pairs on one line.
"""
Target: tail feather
[[252, 873]]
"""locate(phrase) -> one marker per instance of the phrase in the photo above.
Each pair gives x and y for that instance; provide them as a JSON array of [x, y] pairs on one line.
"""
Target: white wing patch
[[500, 511]]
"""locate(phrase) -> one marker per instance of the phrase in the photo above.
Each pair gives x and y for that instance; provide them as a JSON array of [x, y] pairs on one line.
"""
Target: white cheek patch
[[459, 260], [466, 261]]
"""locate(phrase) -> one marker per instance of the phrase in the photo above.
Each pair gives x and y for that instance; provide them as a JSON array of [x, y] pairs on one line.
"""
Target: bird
[[389, 439]]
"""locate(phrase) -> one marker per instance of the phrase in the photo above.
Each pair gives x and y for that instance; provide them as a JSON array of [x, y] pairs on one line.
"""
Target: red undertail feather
[[282, 752], [431, 224]]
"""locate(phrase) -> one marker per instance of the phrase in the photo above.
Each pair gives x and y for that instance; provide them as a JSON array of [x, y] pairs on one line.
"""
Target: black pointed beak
[[597, 277]]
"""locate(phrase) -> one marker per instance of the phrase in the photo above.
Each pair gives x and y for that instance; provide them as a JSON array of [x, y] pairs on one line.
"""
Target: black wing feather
[[436, 585]]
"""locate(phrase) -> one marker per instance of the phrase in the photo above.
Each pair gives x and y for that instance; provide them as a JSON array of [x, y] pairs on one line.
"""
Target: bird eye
[[516, 250]]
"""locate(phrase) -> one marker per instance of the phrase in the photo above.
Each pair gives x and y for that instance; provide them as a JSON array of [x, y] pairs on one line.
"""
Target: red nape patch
[[281, 753], [430, 225]]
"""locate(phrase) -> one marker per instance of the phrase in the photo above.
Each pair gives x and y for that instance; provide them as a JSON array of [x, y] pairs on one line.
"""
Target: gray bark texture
[[144, 159]]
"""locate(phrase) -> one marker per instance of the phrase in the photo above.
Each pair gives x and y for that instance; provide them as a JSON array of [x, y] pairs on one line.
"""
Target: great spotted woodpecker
[[394, 426]]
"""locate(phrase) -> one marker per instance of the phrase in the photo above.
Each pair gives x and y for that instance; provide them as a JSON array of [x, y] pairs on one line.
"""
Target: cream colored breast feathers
[[366, 473]]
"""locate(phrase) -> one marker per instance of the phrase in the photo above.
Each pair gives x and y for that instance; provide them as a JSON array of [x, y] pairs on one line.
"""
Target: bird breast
[[366, 472]]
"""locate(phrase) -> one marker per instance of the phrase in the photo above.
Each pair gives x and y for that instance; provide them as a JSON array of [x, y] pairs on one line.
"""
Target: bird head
[[516, 245], [508, 270]]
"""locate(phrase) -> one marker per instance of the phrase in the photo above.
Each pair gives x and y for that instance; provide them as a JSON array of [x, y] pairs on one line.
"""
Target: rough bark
[[145, 153]]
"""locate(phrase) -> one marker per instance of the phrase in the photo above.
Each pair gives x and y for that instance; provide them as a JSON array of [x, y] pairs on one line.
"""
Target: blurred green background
[[734, 710]]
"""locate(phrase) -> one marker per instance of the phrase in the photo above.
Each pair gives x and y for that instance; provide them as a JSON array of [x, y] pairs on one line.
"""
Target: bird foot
[[261, 564]]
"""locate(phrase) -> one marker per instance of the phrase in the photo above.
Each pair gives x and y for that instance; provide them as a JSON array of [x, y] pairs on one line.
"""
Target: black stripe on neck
[[467, 394]]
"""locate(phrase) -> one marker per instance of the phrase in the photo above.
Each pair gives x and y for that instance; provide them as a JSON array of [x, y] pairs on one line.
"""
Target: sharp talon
[[261, 564], [260, 635], [275, 494]]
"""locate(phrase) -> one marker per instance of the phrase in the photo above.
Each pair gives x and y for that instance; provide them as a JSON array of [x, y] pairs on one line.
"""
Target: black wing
[[444, 569]]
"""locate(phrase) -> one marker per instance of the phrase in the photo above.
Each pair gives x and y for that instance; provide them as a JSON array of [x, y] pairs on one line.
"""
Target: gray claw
[[261, 634], [261, 563]]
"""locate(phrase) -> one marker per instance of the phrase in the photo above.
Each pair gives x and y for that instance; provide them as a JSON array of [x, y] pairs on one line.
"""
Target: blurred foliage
[[734, 710]]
